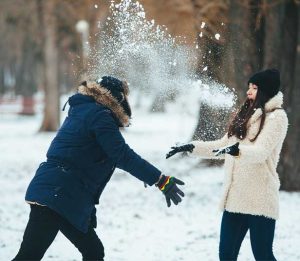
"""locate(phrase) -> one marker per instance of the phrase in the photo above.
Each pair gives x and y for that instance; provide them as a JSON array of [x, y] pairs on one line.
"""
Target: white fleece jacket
[[251, 184]]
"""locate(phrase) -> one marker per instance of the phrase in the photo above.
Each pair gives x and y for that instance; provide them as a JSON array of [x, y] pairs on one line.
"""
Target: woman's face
[[252, 91]]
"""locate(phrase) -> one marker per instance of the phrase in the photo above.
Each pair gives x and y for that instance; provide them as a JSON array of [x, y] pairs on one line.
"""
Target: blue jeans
[[234, 227]]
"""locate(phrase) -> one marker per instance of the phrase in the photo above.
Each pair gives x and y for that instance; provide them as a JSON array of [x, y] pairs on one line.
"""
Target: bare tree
[[273, 15], [20, 52], [211, 19], [51, 111], [289, 167], [244, 42]]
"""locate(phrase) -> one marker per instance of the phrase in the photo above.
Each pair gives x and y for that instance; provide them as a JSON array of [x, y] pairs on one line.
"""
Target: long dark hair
[[238, 126]]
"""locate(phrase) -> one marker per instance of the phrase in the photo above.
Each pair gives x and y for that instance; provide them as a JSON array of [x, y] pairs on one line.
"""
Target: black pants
[[233, 230], [42, 228]]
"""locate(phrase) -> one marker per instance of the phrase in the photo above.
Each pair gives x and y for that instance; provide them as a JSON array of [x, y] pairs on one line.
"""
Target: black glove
[[232, 150], [176, 149], [167, 185]]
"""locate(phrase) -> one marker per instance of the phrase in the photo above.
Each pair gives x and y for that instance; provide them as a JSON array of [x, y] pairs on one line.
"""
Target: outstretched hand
[[233, 150], [168, 186], [182, 148]]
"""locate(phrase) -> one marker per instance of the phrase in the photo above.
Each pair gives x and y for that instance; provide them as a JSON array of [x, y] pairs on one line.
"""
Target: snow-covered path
[[134, 223]]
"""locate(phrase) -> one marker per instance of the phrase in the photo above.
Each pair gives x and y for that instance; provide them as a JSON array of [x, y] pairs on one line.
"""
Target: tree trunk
[[209, 65], [211, 17], [51, 110], [27, 82], [212, 121], [289, 51], [2, 87], [273, 34], [244, 42], [211, 125], [289, 166]]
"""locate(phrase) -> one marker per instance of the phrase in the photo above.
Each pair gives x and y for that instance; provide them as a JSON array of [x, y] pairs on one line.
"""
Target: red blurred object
[[28, 104]]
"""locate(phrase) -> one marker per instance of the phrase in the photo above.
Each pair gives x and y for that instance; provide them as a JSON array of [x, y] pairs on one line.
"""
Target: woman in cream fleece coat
[[251, 149]]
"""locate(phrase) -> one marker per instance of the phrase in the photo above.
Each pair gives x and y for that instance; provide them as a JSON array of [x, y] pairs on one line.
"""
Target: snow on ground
[[134, 222]]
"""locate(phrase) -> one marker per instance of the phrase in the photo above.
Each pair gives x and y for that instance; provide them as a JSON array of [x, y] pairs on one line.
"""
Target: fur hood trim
[[104, 97], [274, 103]]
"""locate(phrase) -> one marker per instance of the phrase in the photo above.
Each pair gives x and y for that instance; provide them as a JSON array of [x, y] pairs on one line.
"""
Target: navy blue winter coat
[[80, 161]]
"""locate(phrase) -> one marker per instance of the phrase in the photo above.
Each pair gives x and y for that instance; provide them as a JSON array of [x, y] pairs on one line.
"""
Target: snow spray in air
[[149, 58]]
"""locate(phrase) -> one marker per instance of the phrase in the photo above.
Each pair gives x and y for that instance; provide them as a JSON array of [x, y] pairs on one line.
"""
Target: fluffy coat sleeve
[[204, 149]]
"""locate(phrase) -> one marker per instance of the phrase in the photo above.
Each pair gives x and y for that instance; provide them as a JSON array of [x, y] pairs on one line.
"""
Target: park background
[[187, 63]]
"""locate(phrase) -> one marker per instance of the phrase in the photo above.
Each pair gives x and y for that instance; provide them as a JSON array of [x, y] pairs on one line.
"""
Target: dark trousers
[[42, 228], [234, 227]]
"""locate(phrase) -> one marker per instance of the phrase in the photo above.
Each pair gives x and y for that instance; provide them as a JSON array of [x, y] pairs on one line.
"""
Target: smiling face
[[252, 92]]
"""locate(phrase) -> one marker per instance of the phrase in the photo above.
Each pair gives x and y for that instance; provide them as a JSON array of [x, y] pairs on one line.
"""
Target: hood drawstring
[[65, 105]]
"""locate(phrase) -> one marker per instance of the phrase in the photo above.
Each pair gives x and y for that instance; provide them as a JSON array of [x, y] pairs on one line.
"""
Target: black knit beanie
[[114, 85], [268, 81], [118, 89]]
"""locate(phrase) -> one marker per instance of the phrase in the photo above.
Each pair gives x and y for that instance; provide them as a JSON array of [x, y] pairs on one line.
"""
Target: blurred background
[[48, 47], [187, 63]]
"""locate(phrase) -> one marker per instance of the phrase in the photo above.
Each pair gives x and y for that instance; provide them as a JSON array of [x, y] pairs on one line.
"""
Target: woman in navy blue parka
[[80, 161]]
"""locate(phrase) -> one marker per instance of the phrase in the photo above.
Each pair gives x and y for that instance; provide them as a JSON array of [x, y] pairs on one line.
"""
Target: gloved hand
[[232, 150], [176, 149], [168, 186]]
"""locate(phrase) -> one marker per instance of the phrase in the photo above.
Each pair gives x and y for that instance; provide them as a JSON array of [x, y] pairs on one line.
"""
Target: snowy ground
[[134, 223]]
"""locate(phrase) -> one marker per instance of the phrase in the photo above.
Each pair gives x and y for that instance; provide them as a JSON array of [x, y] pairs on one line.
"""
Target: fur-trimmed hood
[[104, 97]]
